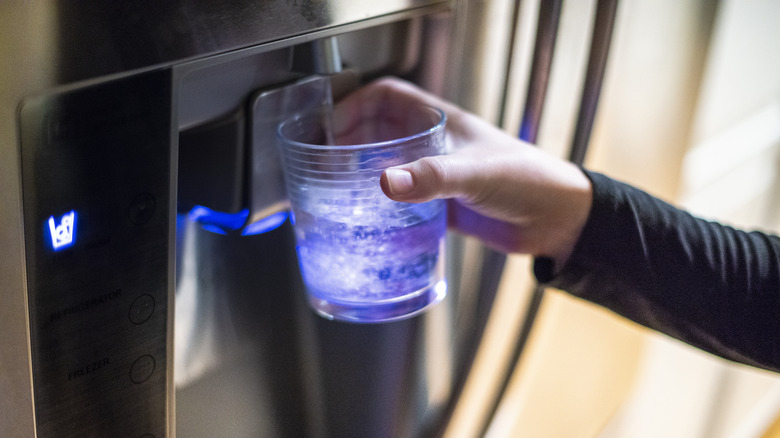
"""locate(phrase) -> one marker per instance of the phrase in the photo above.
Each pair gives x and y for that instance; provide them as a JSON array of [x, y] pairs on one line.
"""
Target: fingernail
[[399, 181]]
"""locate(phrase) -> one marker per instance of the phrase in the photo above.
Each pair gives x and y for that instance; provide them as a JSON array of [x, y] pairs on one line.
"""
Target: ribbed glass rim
[[378, 145]]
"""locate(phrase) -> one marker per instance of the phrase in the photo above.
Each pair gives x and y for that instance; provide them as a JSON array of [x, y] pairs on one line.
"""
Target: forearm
[[707, 284]]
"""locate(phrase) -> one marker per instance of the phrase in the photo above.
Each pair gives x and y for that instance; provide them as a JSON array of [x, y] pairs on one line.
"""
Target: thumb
[[437, 177]]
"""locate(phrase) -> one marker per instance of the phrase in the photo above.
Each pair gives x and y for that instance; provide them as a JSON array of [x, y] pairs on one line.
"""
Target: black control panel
[[96, 183]]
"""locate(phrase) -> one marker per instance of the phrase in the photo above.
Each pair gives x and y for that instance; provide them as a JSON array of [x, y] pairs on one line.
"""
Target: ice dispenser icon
[[63, 234]]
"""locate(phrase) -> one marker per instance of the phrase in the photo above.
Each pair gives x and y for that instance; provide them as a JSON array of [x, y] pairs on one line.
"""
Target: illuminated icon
[[62, 235]]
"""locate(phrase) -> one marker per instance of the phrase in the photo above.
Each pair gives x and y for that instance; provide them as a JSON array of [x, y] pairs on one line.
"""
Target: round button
[[142, 369], [141, 309], [141, 209]]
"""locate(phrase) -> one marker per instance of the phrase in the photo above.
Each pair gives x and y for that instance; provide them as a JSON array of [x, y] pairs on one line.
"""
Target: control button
[[141, 309], [142, 369], [141, 209]]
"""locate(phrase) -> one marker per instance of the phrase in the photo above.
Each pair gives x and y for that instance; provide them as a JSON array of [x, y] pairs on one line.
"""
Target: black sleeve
[[709, 285]]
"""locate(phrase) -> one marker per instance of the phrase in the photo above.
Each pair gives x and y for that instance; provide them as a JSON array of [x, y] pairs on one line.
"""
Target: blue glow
[[63, 234], [213, 228], [267, 224], [223, 223], [217, 221]]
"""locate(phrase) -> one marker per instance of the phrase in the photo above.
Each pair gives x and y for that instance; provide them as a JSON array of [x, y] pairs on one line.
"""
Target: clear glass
[[364, 257]]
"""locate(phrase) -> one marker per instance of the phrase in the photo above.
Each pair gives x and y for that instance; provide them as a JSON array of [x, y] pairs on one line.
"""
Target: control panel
[[96, 188]]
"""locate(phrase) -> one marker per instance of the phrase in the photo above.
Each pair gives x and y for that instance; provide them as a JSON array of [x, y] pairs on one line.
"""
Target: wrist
[[575, 199]]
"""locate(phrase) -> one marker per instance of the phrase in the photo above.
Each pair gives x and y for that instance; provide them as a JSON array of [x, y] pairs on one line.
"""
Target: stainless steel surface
[[382, 380], [237, 336], [601, 40], [81, 41], [546, 33], [98, 290], [320, 57], [401, 378], [492, 262], [276, 369]]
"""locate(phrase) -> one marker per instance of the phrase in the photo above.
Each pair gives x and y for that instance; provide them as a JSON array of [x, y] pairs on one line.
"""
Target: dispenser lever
[[268, 108]]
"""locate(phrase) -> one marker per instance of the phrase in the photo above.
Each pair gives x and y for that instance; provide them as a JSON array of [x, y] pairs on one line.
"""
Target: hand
[[510, 194]]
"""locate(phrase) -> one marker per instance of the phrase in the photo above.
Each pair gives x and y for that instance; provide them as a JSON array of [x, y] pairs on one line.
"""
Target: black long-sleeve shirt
[[709, 285]]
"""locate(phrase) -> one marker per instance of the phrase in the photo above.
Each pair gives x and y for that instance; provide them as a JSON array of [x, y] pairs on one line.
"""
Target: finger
[[438, 177], [368, 100]]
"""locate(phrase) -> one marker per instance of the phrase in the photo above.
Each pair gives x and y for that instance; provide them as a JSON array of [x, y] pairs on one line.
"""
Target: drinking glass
[[364, 257]]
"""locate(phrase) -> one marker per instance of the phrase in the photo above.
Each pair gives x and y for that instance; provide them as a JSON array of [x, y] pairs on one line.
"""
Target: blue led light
[[62, 233], [217, 221], [223, 223], [267, 224]]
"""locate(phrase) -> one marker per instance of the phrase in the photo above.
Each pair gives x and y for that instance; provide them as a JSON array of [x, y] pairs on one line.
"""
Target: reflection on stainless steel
[[196, 347], [599, 49], [597, 65], [546, 33], [237, 348], [438, 354]]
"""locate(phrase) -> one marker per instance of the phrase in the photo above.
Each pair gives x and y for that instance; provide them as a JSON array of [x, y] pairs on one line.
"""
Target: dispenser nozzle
[[320, 57]]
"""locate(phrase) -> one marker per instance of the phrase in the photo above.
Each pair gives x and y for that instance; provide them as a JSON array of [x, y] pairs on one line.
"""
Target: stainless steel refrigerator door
[[60, 51]]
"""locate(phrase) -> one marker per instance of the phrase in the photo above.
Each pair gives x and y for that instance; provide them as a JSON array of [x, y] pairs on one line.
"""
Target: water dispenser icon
[[64, 233]]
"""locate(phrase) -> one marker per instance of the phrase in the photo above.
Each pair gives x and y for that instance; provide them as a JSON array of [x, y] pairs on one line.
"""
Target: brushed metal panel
[[91, 40], [55, 45], [96, 162]]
